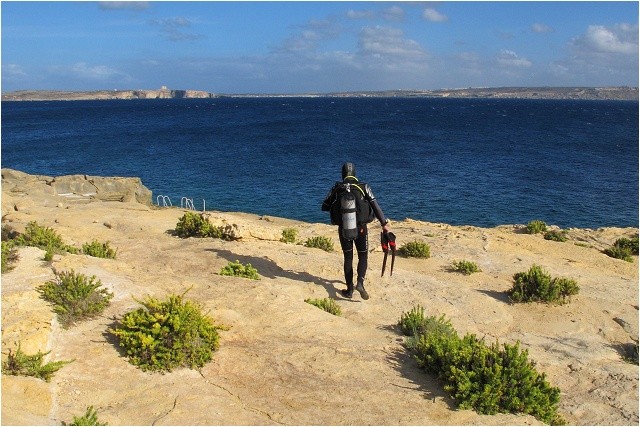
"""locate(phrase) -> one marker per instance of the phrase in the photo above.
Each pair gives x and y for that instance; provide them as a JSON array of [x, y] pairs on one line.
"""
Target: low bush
[[619, 253], [45, 238], [167, 334], [413, 324], [465, 267], [75, 297], [90, 418], [536, 285], [488, 379], [289, 235], [415, 249], [536, 226], [99, 250], [237, 269], [9, 255], [326, 304], [631, 244], [556, 235], [623, 248], [21, 364], [194, 224], [320, 242]]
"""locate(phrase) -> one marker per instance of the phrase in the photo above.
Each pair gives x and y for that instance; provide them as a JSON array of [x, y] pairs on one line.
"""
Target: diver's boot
[[348, 293], [360, 288]]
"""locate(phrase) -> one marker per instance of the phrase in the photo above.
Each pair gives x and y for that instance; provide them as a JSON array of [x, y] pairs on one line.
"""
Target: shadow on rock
[[113, 340], [401, 360], [268, 268], [628, 351], [498, 295]]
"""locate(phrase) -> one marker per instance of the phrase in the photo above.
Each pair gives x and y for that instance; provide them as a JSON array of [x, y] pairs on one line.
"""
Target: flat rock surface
[[285, 362]]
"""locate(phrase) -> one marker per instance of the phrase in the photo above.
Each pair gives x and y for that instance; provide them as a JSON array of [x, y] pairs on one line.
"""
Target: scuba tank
[[348, 212]]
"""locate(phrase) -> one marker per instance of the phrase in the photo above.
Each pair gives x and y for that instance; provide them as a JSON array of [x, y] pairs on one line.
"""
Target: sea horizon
[[479, 162], [623, 93]]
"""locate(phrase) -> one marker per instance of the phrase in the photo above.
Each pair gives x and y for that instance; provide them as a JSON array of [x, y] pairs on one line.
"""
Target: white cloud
[[394, 13], [541, 28], [311, 35], [117, 5], [360, 14], [620, 39], [601, 56], [433, 15], [13, 71], [388, 41], [173, 29], [509, 59], [82, 71], [384, 58]]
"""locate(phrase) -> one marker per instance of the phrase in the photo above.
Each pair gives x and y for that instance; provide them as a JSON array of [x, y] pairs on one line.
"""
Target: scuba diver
[[352, 206]]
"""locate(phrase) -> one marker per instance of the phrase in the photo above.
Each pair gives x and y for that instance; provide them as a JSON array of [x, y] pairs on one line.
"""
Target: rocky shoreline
[[283, 361], [621, 93], [101, 95]]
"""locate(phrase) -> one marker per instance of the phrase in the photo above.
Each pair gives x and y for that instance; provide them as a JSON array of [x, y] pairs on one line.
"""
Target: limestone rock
[[283, 361], [26, 401], [73, 188]]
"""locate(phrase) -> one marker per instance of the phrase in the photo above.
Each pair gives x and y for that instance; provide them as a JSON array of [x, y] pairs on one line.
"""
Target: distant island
[[586, 93]]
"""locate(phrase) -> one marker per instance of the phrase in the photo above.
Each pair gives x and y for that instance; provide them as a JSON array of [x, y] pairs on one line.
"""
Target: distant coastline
[[622, 93]]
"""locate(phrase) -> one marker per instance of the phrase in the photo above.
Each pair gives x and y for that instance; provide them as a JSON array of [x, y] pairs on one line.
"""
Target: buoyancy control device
[[348, 212]]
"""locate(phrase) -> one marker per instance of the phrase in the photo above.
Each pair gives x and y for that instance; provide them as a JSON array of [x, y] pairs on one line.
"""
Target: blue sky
[[299, 47]]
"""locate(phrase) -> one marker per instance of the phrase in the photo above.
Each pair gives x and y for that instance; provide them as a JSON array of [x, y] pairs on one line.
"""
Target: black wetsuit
[[331, 204]]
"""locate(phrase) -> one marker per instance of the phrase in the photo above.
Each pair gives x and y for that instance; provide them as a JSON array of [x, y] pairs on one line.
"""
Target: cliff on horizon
[[59, 95], [622, 93]]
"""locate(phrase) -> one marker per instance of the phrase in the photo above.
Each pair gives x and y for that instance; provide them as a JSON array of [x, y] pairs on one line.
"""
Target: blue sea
[[482, 162]]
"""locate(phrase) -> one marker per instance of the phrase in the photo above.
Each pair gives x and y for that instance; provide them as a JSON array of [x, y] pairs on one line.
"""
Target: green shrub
[[75, 297], [416, 249], [163, 335], [39, 236], [414, 324], [320, 242], [326, 304], [488, 379], [21, 364], [237, 269], [556, 235], [411, 322], [99, 250], [193, 224], [90, 418], [9, 255], [289, 235], [45, 238], [623, 248], [48, 255], [536, 226], [619, 252], [536, 285], [465, 267], [631, 244]]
